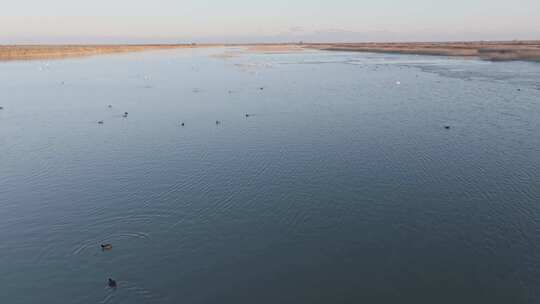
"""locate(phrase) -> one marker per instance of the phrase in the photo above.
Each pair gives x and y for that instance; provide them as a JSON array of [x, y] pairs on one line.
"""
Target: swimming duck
[[447, 127], [112, 283], [218, 122], [106, 246], [100, 122], [110, 106], [125, 114], [182, 124], [247, 115]]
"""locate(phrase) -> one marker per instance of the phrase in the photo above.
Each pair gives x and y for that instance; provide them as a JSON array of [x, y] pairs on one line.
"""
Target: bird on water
[[106, 246]]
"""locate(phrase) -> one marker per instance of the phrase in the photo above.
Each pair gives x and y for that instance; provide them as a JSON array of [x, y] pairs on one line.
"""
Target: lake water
[[342, 186]]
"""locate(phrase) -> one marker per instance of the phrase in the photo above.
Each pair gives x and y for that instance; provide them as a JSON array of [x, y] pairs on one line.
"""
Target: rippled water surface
[[342, 185]]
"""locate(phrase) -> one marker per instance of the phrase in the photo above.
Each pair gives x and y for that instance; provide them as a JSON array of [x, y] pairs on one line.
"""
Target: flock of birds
[[183, 124], [125, 115]]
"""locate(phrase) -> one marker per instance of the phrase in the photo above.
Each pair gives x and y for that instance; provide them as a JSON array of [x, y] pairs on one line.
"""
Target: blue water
[[342, 185]]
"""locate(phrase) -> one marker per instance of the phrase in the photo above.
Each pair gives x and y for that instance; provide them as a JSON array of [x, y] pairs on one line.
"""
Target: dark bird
[[106, 246], [218, 122], [1, 108], [110, 106], [182, 124], [261, 88], [447, 127], [125, 114], [100, 122], [112, 283], [247, 115]]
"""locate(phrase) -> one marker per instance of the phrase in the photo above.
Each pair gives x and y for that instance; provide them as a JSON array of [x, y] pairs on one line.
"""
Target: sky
[[206, 21]]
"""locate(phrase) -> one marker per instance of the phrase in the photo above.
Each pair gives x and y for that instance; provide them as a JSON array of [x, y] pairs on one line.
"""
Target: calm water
[[343, 186]]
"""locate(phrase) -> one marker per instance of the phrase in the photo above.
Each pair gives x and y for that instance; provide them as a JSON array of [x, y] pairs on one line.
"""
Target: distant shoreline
[[43, 52], [495, 51]]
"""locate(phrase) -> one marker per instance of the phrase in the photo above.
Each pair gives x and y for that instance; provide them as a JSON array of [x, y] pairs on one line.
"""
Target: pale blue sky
[[258, 20]]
